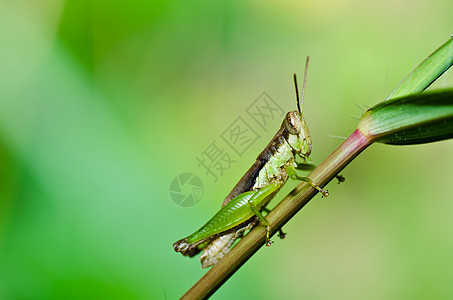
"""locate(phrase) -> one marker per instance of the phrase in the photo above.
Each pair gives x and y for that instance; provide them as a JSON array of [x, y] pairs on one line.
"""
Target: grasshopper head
[[296, 129], [297, 134]]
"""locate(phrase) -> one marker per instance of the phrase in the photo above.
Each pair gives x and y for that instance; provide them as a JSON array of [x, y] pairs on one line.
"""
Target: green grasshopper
[[241, 209]]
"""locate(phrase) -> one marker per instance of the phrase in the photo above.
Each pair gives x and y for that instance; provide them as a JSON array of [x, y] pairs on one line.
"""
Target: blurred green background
[[103, 103]]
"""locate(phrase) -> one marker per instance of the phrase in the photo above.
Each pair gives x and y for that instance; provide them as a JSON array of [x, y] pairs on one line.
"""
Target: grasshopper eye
[[292, 122]]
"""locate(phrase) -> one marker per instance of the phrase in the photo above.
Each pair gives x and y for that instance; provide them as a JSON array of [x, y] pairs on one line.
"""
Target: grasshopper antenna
[[303, 87], [297, 93], [300, 102]]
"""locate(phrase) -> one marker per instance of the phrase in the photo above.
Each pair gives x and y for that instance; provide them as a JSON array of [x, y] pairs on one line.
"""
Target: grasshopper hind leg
[[281, 234], [257, 198], [265, 222]]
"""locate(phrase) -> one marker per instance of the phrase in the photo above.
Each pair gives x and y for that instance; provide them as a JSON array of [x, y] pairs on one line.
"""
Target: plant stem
[[278, 217]]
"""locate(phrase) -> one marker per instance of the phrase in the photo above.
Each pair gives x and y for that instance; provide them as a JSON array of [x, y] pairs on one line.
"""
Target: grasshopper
[[241, 209]]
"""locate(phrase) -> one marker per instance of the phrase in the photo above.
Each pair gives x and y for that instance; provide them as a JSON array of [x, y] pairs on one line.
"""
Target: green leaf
[[414, 119], [427, 72]]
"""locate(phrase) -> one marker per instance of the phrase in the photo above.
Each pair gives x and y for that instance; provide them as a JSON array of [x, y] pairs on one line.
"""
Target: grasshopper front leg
[[291, 171], [309, 166]]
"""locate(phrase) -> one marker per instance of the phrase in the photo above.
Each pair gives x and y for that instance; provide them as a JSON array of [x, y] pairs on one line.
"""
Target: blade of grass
[[414, 119], [426, 72]]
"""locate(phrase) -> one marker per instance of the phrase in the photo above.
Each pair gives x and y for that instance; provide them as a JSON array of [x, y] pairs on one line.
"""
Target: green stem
[[278, 217]]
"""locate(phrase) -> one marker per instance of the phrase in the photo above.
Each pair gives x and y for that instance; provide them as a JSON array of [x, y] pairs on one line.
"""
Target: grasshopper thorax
[[296, 133]]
